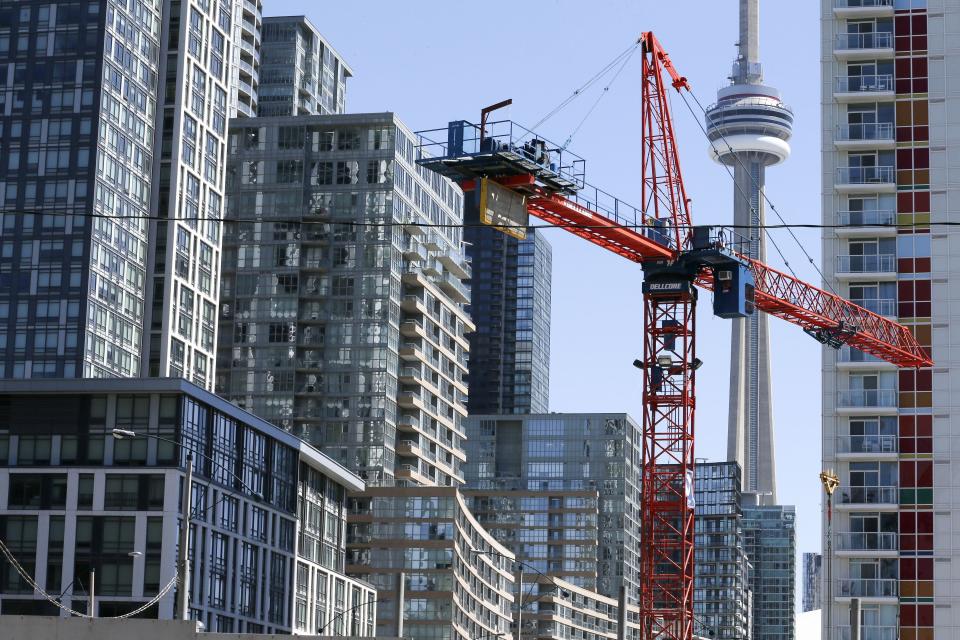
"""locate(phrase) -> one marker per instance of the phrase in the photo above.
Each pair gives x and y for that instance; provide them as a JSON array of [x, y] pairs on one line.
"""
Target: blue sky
[[432, 61]]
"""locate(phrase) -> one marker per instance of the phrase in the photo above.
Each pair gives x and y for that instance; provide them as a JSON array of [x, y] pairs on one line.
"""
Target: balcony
[[870, 179], [869, 496], [881, 306], [871, 542], [867, 588], [850, 358], [862, 8], [869, 135], [867, 398], [871, 633], [863, 88], [413, 304], [875, 222], [864, 46], [873, 445], [867, 265], [454, 288]]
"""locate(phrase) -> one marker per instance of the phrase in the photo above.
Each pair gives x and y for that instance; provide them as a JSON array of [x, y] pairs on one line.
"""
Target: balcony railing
[[866, 84], [867, 588], [876, 40], [867, 444], [868, 495], [878, 263], [849, 354], [871, 633], [864, 175], [882, 541], [854, 398], [866, 131], [879, 306], [857, 4], [866, 218]]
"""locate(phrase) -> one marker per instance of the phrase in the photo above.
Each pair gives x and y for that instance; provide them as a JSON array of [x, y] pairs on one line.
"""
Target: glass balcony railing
[[879, 263], [876, 40], [866, 218], [867, 588], [864, 175], [854, 398], [849, 354], [879, 306], [871, 633], [876, 541], [867, 444], [864, 4], [866, 131], [868, 495], [858, 84]]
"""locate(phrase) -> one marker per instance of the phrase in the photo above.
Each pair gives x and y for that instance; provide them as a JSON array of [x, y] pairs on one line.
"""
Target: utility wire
[[465, 225], [739, 188], [762, 192]]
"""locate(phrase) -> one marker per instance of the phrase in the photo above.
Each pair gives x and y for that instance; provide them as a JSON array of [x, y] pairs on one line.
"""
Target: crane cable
[[739, 189], [762, 192], [589, 83], [596, 103]]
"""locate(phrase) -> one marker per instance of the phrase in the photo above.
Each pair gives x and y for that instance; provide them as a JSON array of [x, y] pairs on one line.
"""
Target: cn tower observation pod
[[749, 120]]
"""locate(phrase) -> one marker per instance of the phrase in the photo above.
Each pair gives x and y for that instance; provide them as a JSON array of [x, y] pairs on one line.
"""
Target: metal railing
[[867, 588], [864, 175], [866, 131], [878, 263], [867, 444], [875, 40], [853, 398], [868, 495], [880, 306], [874, 541], [871, 633], [868, 83], [866, 218], [850, 354], [857, 4]]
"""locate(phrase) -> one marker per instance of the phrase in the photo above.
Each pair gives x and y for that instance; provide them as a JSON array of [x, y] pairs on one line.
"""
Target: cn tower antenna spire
[[749, 128]]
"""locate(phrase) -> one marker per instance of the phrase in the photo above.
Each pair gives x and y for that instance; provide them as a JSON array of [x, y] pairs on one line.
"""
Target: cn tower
[[749, 129]]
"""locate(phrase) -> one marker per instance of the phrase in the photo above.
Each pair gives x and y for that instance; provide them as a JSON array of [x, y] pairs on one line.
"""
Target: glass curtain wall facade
[[94, 95], [888, 112], [510, 350], [342, 318], [268, 534], [458, 579], [812, 581], [722, 597], [771, 544], [549, 454], [301, 74]]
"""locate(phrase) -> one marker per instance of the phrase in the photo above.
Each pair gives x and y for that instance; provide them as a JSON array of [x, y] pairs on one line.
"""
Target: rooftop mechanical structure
[[749, 129]]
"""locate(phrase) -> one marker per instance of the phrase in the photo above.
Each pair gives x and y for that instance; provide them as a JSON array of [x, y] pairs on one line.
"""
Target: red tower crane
[[515, 173]]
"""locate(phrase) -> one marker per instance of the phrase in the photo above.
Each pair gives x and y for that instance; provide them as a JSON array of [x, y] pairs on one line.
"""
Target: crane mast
[[511, 173]]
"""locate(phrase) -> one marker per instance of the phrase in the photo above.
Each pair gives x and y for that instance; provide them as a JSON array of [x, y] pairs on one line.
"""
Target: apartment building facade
[[557, 456], [888, 108], [771, 546], [458, 580], [343, 306], [812, 581], [301, 73], [510, 350], [267, 546], [114, 121]]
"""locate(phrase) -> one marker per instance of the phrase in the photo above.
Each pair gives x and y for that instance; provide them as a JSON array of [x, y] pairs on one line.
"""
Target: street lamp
[[522, 602], [183, 596]]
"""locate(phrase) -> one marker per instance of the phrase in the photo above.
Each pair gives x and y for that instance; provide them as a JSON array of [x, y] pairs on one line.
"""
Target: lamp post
[[521, 603], [183, 562], [830, 482]]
